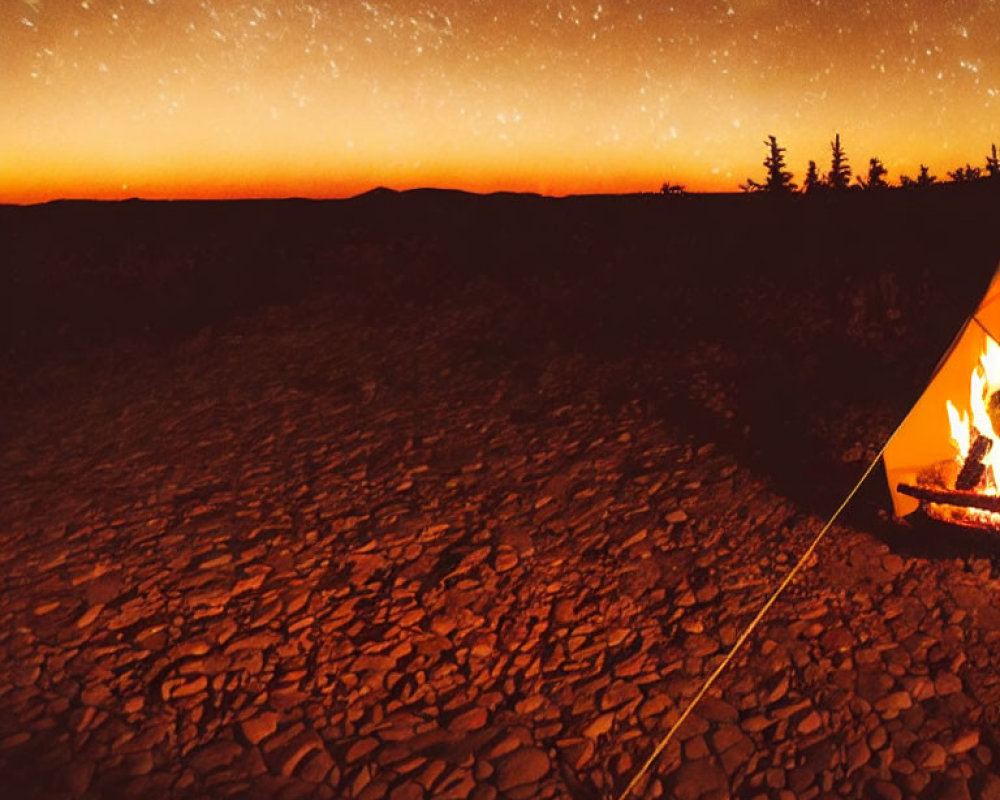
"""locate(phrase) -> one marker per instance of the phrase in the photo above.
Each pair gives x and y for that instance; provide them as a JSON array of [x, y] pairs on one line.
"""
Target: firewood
[[973, 468], [952, 498]]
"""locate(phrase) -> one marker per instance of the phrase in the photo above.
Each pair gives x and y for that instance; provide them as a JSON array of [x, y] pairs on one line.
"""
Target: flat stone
[[892, 704], [471, 720], [14, 740], [297, 750], [409, 790], [457, 786], [505, 560], [317, 766], [259, 727], [188, 688], [483, 791], [929, 755], [800, 779], [360, 749], [965, 741], [858, 755], [90, 615], [527, 765], [810, 723], [599, 726], [885, 790], [892, 564], [695, 779], [946, 684], [654, 706], [726, 736], [260, 640]]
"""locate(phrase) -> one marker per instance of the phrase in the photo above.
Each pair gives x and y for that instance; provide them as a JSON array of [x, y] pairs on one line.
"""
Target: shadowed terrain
[[434, 495]]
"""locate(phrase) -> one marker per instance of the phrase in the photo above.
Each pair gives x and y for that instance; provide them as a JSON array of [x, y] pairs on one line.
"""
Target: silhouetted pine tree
[[840, 171], [779, 180], [993, 165], [813, 181], [923, 179], [876, 175], [966, 174]]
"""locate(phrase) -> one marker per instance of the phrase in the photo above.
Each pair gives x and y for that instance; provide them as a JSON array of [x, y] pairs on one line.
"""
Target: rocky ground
[[350, 547]]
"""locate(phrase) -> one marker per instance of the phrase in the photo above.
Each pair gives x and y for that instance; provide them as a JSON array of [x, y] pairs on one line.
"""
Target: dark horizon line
[[384, 191]]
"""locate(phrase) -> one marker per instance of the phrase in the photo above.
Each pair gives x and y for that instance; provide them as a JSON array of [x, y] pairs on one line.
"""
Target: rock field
[[311, 552]]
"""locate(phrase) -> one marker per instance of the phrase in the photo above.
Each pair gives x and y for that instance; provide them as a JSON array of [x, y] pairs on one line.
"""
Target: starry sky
[[225, 98]]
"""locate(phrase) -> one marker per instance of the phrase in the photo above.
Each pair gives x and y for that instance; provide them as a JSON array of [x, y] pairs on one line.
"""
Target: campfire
[[963, 490]]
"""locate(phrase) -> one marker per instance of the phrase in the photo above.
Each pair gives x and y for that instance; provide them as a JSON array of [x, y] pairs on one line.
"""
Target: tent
[[924, 450]]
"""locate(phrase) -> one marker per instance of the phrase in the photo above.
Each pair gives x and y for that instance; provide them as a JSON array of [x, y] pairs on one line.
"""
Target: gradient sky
[[222, 98]]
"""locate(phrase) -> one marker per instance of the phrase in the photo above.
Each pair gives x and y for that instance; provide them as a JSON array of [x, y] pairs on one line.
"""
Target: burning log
[[962, 499], [973, 468]]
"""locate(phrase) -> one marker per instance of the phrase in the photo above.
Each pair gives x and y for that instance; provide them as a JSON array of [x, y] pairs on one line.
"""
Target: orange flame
[[984, 382]]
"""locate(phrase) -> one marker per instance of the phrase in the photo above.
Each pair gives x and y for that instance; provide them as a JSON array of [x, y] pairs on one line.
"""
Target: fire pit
[[945, 458]]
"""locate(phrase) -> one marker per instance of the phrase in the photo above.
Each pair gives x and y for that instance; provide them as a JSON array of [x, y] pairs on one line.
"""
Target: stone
[[810, 723], [483, 791], [892, 704], [506, 560], [858, 755], [947, 683], [563, 611], [526, 765], [470, 720], [431, 772], [726, 736], [800, 779], [694, 779], [257, 728], [965, 741], [360, 749], [457, 786], [408, 790], [600, 725], [929, 755], [696, 747], [892, 564], [655, 706], [90, 615], [885, 790], [316, 766], [294, 753]]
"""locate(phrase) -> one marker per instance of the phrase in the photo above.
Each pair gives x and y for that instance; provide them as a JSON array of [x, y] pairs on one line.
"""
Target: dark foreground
[[434, 497]]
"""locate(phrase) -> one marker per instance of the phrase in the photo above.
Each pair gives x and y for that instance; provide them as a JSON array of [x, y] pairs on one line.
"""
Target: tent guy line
[[753, 624]]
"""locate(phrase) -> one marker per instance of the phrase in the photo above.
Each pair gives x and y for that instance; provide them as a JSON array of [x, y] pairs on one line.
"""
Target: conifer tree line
[[779, 180]]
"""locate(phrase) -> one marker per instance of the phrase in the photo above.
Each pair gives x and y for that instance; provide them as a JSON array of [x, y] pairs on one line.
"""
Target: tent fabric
[[924, 437]]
